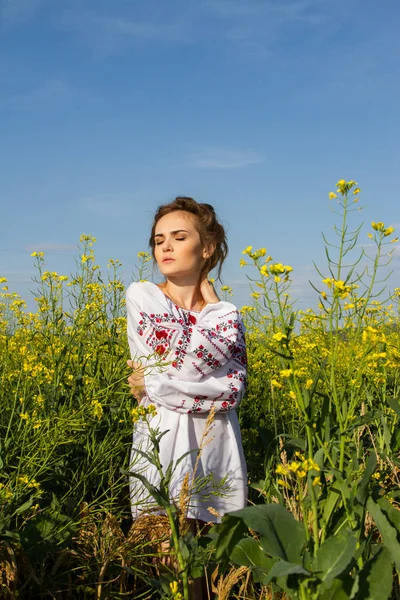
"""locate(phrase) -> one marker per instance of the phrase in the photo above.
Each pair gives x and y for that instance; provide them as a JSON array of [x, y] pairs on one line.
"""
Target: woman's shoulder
[[144, 294]]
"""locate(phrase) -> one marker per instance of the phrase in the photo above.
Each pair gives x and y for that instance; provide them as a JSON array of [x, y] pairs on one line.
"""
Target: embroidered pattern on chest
[[183, 342], [157, 337]]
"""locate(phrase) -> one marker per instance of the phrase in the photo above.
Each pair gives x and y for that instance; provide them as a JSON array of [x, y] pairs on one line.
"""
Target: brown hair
[[206, 223]]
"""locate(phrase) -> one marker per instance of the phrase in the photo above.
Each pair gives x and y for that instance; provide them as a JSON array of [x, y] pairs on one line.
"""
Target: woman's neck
[[186, 296]]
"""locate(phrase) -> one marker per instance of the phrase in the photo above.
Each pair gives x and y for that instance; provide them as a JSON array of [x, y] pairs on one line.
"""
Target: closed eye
[[177, 239]]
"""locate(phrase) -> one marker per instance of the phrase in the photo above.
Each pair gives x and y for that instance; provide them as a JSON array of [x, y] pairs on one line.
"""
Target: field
[[319, 424]]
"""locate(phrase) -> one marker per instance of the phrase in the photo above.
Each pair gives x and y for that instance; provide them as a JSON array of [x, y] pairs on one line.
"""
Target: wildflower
[[277, 279], [279, 336], [24, 416], [292, 395], [247, 250], [332, 195], [286, 373], [281, 470], [283, 484], [255, 295], [264, 270], [379, 226], [388, 231], [309, 383], [97, 409], [356, 191], [316, 481], [243, 262], [3, 279], [276, 383], [370, 236]]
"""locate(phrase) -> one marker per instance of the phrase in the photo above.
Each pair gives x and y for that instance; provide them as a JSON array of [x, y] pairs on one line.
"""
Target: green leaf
[[283, 568], [334, 556], [387, 531], [24, 506], [394, 405], [392, 513], [375, 579], [282, 536], [339, 589], [330, 504], [230, 531], [155, 492], [248, 553], [363, 485]]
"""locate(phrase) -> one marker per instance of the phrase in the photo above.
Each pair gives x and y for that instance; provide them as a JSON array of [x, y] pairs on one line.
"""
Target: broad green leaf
[[248, 553], [387, 531], [282, 568], [282, 536], [392, 513], [334, 556], [339, 589], [230, 531], [375, 579]]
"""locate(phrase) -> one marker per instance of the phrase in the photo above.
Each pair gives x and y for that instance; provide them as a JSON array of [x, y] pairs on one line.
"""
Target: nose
[[166, 245]]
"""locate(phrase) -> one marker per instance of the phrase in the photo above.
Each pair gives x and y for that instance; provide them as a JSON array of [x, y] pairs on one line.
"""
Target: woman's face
[[178, 250]]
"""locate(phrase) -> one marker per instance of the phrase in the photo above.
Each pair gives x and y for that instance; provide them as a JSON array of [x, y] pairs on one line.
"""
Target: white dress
[[205, 366]]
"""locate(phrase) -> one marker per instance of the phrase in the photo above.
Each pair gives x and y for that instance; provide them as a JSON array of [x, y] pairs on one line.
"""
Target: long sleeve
[[204, 356]]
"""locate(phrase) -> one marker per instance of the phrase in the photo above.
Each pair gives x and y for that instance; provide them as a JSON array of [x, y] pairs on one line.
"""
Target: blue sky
[[110, 108]]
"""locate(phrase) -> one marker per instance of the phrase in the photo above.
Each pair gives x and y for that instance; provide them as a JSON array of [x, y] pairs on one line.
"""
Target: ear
[[208, 251]]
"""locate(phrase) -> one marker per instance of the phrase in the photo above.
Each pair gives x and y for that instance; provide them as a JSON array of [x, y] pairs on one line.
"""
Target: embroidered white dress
[[204, 366]]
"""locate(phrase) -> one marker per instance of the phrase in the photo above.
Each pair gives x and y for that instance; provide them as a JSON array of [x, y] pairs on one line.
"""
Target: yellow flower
[[292, 395], [388, 231], [340, 183], [332, 195], [309, 383], [286, 373], [3, 279], [281, 470], [276, 383], [379, 226], [277, 279], [247, 250], [97, 409], [279, 336], [356, 191], [24, 416], [370, 236], [174, 586], [243, 262], [316, 481]]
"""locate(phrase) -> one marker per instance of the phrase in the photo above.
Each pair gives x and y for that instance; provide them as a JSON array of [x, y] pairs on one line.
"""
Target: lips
[[167, 260]]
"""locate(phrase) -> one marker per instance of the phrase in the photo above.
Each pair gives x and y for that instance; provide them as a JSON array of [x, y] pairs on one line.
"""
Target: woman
[[200, 341]]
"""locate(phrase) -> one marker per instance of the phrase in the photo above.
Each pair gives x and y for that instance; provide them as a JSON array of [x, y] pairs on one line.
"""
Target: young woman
[[199, 340]]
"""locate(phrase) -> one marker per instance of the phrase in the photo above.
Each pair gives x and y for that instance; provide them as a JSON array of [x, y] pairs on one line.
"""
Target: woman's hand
[[136, 380], [207, 291]]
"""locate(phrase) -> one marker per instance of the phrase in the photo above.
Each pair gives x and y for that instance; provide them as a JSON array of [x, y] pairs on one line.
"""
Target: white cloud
[[224, 158]]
